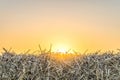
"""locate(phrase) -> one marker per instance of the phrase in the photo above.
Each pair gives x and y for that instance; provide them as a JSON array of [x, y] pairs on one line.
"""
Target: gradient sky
[[76, 24]]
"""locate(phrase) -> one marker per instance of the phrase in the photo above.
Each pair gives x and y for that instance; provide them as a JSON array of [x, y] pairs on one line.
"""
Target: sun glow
[[61, 48]]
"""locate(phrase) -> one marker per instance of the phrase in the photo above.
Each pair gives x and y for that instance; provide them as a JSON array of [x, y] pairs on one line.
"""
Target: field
[[55, 66]]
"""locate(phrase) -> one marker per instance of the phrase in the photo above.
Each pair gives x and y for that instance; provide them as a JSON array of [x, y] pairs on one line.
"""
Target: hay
[[47, 66]]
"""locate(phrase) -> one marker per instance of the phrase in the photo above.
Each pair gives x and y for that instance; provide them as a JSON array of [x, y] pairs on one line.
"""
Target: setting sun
[[61, 48], [59, 39], [77, 25]]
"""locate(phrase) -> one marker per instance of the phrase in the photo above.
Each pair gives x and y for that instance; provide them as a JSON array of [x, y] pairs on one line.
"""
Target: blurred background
[[72, 24]]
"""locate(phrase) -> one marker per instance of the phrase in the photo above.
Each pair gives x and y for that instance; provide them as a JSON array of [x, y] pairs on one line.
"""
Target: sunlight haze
[[66, 24]]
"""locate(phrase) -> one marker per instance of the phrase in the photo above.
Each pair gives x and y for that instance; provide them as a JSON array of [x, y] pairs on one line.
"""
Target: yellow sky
[[77, 25]]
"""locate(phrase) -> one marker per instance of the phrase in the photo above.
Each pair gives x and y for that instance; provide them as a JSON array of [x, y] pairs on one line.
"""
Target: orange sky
[[80, 25]]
